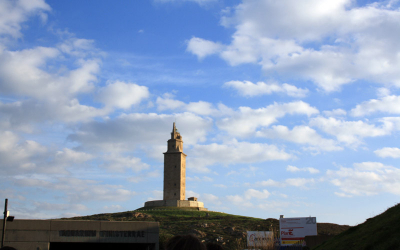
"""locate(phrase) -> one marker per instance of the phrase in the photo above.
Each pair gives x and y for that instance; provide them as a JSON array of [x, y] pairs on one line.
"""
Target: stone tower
[[174, 168]]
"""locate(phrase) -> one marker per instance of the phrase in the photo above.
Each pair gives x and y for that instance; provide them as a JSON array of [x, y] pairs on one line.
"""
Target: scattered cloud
[[352, 132], [249, 89], [202, 48], [211, 199], [387, 104], [202, 179], [252, 193], [156, 195], [299, 182], [362, 46], [294, 169], [122, 95], [28, 156], [270, 183], [119, 163], [246, 120], [128, 131], [366, 178], [233, 152], [301, 135], [335, 113], [167, 102], [388, 152], [76, 190], [13, 13]]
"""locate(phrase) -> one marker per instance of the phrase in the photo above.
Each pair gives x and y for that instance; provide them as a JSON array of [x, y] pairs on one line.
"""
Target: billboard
[[294, 230], [259, 238]]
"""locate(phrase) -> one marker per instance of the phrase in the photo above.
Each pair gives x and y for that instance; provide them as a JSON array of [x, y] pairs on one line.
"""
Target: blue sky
[[285, 107]]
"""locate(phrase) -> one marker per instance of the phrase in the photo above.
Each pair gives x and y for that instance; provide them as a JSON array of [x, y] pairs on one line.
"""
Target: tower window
[[175, 184], [175, 166], [174, 194]]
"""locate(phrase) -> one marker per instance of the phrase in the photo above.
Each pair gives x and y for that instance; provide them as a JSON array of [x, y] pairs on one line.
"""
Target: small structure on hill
[[175, 177]]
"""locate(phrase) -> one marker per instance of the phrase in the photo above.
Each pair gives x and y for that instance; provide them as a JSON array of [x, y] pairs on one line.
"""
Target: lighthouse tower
[[174, 168], [175, 177]]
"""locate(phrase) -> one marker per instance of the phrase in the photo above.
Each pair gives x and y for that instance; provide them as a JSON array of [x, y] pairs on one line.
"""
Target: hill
[[379, 232], [227, 229]]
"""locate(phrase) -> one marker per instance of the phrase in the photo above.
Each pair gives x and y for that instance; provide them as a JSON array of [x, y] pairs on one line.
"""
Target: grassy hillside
[[379, 232], [227, 229]]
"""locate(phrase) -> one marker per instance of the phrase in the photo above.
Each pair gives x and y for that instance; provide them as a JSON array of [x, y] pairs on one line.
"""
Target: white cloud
[[328, 42], [190, 193], [366, 178], [202, 179], [203, 48], [200, 108], [210, 199], [157, 195], [233, 152], [387, 104], [220, 185], [46, 94], [128, 131], [276, 206], [252, 193], [13, 13], [144, 176], [24, 115], [70, 156], [388, 152], [335, 113], [167, 102], [249, 89], [79, 190], [352, 132], [246, 120], [294, 169], [24, 74], [122, 95], [26, 156], [237, 199], [270, 183], [299, 182], [300, 135], [119, 163]]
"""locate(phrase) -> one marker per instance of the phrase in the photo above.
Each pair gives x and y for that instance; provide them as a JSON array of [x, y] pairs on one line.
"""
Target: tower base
[[176, 203]]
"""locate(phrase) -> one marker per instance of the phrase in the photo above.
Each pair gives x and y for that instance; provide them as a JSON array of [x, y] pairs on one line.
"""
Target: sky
[[288, 107]]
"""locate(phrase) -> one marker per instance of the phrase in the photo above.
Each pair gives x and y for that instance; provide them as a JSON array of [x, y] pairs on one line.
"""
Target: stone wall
[[176, 203]]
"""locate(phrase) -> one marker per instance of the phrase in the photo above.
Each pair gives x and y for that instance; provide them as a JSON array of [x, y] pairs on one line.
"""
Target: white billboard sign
[[259, 238], [294, 230]]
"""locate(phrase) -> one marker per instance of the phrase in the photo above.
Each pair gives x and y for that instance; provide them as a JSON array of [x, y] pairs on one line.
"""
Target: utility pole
[[4, 222]]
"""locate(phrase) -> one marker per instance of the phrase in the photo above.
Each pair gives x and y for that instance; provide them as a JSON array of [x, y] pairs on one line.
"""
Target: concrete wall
[[37, 234]]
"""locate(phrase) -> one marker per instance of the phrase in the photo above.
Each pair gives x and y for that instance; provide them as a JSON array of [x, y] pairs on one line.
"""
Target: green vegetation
[[226, 229], [379, 232]]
